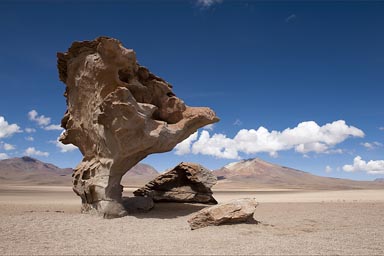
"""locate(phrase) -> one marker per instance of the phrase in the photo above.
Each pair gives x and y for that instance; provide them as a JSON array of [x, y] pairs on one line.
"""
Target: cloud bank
[[304, 138], [370, 167]]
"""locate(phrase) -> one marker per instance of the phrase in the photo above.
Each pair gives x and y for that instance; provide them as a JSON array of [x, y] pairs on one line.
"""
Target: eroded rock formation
[[186, 183], [118, 113], [235, 211]]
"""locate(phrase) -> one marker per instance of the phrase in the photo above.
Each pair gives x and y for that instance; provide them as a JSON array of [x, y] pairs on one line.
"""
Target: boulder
[[186, 183], [118, 112], [236, 211]]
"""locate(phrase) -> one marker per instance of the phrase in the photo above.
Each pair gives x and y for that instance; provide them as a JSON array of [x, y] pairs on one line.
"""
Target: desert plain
[[46, 220]]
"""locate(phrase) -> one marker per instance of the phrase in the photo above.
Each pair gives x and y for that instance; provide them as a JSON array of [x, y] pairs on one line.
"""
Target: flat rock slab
[[235, 211], [186, 183]]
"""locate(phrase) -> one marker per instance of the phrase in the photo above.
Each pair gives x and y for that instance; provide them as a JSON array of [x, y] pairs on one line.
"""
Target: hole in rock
[[86, 175], [124, 75]]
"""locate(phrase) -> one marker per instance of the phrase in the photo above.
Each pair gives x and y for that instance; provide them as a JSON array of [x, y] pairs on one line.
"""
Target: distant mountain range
[[257, 173], [246, 174], [139, 175], [29, 171]]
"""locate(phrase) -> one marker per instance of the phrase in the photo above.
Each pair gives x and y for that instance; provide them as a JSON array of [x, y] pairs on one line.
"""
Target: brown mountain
[[256, 173], [29, 171], [139, 175]]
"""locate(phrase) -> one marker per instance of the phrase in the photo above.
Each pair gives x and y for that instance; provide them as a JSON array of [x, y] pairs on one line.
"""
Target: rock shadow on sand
[[168, 210]]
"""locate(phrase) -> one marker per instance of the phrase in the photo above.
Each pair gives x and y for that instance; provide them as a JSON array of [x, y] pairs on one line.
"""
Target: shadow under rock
[[168, 210]]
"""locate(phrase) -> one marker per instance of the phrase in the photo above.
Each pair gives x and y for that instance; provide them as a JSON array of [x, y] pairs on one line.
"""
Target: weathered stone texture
[[118, 112], [236, 211], [186, 183]]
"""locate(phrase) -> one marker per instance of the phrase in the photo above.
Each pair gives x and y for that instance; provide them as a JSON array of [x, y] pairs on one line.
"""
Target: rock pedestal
[[118, 112], [186, 183]]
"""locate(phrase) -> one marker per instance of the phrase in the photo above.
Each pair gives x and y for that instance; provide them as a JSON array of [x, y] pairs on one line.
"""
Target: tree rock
[[236, 211], [118, 112], [186, 183]]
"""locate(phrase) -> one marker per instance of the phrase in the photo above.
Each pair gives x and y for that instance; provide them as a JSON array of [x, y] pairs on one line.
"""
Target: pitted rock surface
[[232, 212], [186, 183], [118, 112]]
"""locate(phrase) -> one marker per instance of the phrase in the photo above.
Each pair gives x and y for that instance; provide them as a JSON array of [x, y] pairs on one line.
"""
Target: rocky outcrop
[[186, 183], [236, 211], [118, 112]]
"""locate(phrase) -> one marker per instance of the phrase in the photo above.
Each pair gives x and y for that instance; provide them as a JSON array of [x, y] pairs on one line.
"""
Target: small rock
[[235, 211]]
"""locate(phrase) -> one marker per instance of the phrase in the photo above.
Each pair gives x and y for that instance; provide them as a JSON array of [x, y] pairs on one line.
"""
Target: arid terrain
[[46, 220], [37, 218]]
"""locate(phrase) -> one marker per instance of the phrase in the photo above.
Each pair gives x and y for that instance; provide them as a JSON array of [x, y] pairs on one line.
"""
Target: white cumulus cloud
[[304, 138], [53, 127], [3, 156], [8, 147], [63, 147], [31, 151], [43, 121], [372, 145], [6, 129], [184, 147], [209, 127], [218, 145], [370, 167], [30, 130], [40, 120]]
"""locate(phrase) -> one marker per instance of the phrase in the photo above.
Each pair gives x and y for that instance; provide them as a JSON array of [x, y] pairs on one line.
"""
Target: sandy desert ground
[[46, 220]]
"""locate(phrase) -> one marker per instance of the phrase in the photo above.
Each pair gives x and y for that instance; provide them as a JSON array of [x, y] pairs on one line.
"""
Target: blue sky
[[299, 84]]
